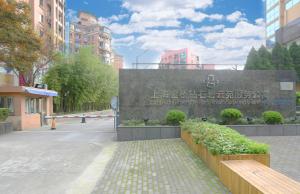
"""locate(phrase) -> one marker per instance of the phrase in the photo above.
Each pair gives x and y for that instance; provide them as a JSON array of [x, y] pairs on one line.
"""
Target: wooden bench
[[251, 177]]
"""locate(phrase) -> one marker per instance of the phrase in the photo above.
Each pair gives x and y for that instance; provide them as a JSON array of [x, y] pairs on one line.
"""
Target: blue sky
[[219, 31]]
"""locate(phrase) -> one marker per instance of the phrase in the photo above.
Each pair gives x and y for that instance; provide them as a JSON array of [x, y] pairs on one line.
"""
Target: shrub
[[231, 116], [153, 123], [3, 114], [221, 139], [272, 117], [174, 117], [132, 123], [298, 98]]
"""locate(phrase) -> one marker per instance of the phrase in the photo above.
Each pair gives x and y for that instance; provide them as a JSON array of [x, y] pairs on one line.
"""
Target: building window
[[271, 29], [32, 105], [273, 14], [42, 19], [7, 102], [291, 4], [41, 3], [271, 3]]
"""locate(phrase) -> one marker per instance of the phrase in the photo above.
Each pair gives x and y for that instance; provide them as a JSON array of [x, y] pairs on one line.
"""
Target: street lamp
[[138, 56]]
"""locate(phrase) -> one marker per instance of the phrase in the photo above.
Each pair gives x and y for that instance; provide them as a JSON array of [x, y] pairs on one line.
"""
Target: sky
[[219, 31]]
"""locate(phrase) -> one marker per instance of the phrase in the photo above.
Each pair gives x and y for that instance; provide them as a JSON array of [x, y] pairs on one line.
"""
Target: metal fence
[[186, 66]]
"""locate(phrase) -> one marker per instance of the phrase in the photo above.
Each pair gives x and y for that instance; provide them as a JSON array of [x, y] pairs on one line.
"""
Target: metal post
[[83, 119], [115, 120]]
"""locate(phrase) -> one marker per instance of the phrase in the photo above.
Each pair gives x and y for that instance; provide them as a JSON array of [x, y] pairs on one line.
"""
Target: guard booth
[[27, 106]]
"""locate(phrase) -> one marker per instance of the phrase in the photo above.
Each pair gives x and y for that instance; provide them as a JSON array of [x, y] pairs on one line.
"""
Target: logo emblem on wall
[[211, 81]]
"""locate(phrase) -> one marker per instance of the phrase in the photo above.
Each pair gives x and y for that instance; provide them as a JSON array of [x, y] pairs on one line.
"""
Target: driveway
[[41, 161]]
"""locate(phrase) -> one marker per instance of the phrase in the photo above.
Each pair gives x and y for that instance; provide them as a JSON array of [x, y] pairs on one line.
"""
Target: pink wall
[[174, 57]]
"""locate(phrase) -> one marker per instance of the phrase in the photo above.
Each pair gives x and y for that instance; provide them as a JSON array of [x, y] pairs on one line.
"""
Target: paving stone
[[285, 154], [158, 166]]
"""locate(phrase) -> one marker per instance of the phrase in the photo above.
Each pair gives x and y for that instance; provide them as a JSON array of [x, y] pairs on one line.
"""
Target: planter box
[[214, 162], [5, 128], [147, 133], [268, 130]]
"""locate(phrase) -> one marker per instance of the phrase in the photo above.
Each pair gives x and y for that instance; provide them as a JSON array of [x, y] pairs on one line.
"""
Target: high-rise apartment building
[[88, 32], [282, 21], [48, 20]]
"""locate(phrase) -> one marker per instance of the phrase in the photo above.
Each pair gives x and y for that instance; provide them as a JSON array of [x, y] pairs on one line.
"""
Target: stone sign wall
[[149, 94]]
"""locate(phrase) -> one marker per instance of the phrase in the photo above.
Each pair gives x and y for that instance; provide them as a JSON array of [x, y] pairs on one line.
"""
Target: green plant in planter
[[133, 123], [298, 98], [153, 123], [174, 117], [222, 140], [231, 116], [273, 117], [3, 114]]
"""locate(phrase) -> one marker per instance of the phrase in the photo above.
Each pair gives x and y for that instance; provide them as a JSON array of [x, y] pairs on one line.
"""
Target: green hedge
[[298, 98], [222, 140], [231, 116], [273, 117], [3, 114], [174, 117]]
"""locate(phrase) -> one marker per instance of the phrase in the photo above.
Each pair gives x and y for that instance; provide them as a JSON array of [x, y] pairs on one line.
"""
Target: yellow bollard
[[53, 124]]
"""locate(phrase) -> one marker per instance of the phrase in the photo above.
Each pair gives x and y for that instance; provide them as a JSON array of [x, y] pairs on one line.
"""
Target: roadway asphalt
[[42, 161]]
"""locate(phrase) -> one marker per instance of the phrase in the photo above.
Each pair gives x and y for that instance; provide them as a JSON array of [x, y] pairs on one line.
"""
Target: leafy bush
[[272, 117], [3, 114], [292, 120], [132, 123], [222, 140], [153, 123], [298, 98], [231, 116], [174, 117]]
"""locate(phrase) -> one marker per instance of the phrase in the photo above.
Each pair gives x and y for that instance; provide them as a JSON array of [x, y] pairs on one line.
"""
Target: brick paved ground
[[157, 166], [285, 154]]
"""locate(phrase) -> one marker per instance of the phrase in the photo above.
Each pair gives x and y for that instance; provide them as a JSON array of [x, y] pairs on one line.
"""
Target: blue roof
[[41, 92]]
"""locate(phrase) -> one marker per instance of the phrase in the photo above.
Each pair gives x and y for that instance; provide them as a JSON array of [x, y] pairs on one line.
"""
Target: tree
[[48, 54], [252, 60], [83, 82], [264, 59], [19, 45], [281, 58], [295, 55]]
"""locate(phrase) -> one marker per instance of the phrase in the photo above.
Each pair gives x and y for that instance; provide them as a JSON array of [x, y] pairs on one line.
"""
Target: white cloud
[[242, 29], [140, 5], [125, 41], [210, 28], [230, 46], [156, 25], [71, 15], [158, 13], [116, 18], [113, 18], [236, 16]]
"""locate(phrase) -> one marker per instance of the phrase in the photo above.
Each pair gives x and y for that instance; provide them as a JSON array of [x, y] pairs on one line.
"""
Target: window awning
[[41, 92]]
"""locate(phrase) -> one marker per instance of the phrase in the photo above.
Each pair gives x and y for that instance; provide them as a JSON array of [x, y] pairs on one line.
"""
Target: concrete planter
[[268, 130], [147, 133], [214, 161], [5, 128]]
